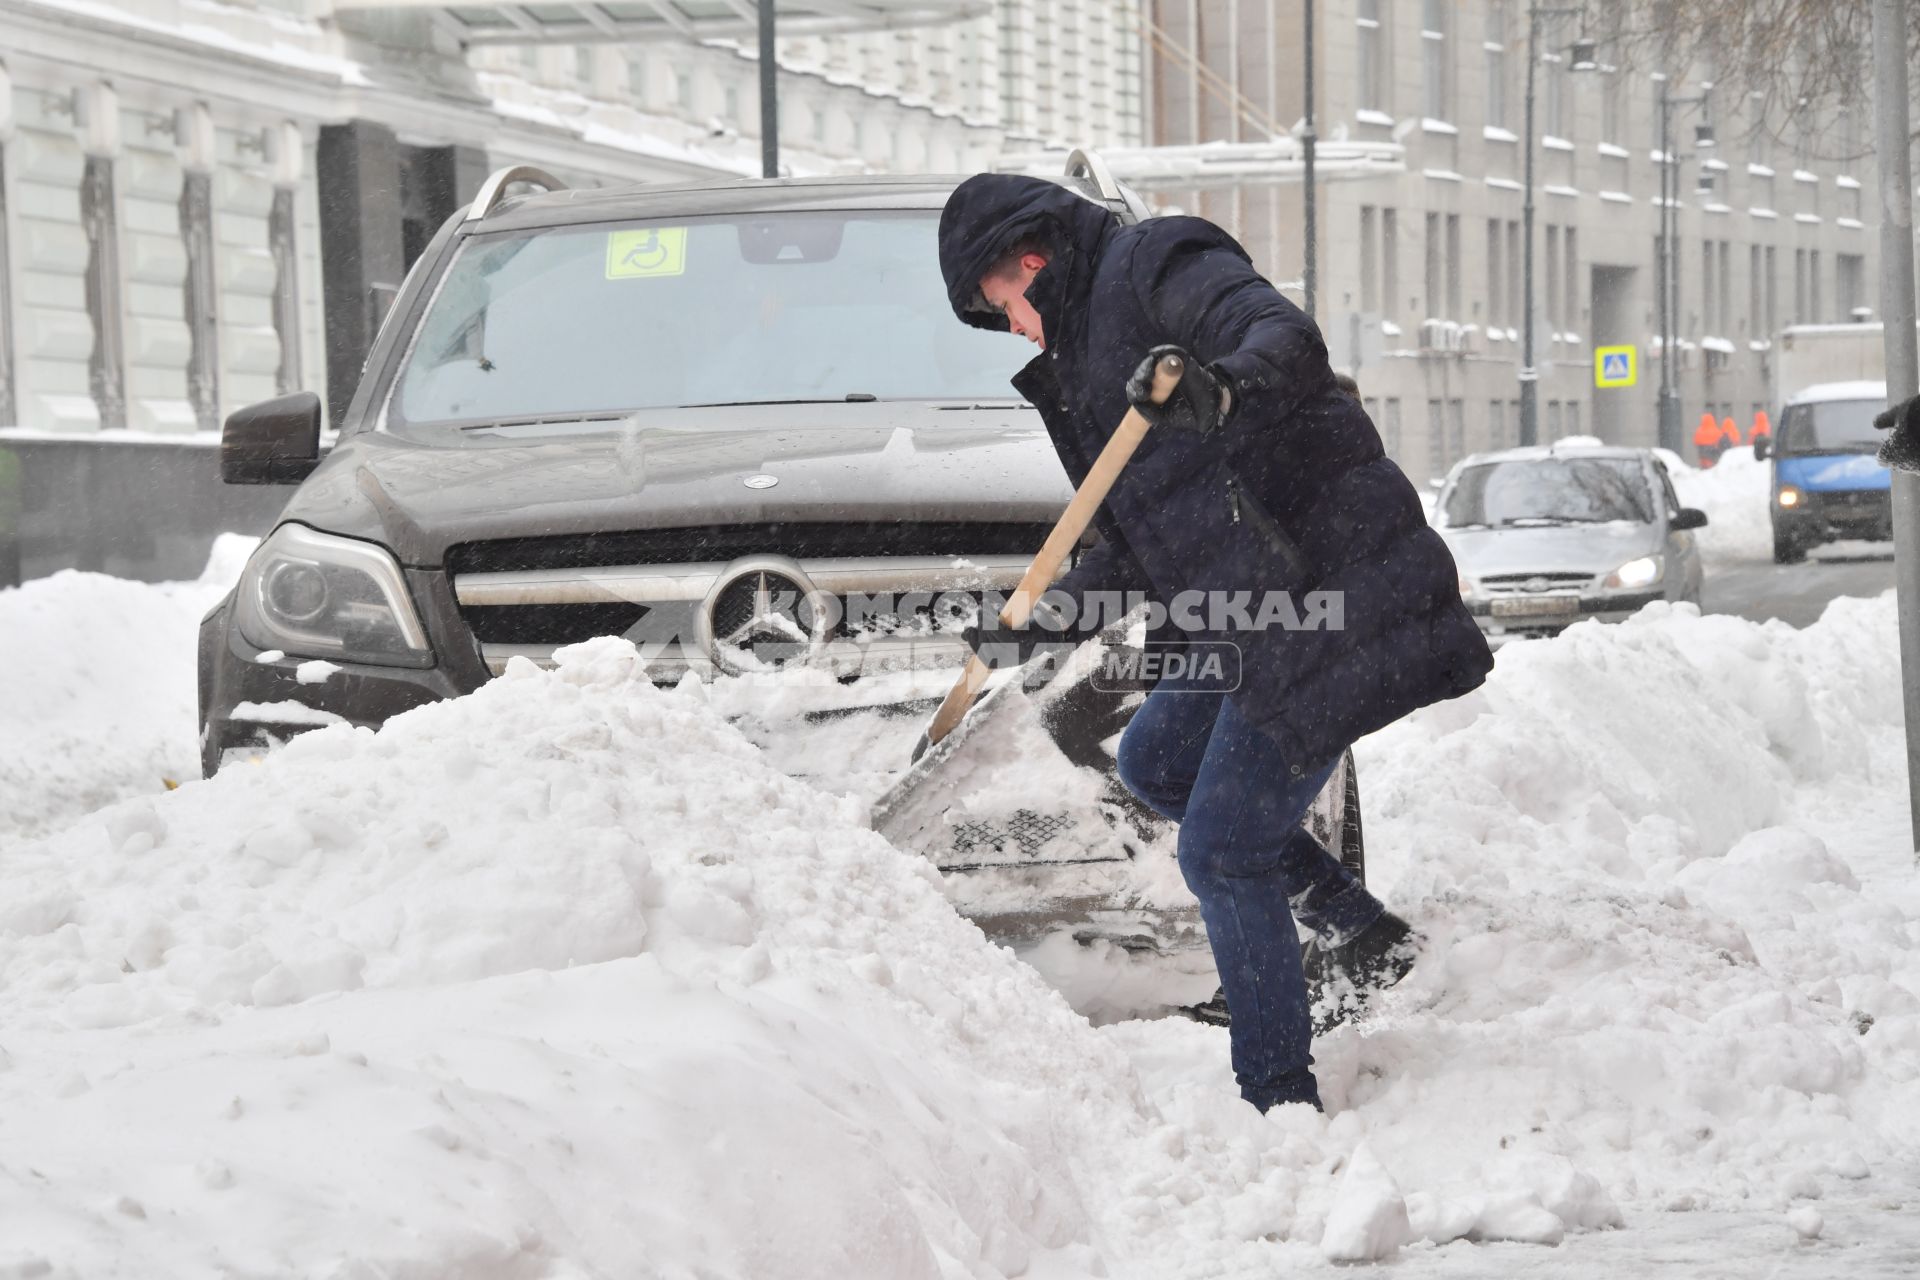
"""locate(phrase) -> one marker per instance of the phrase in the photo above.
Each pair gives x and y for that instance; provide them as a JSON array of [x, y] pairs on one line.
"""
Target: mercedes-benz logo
[[1535, 584], [762, 612]]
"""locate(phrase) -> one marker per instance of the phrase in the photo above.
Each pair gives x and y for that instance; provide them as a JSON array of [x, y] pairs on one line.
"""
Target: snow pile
[[97, 695], [1647, 970], [1734, 493]]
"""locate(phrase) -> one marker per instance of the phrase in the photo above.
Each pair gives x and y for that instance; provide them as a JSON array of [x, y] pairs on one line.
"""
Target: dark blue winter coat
[[1293, 493]]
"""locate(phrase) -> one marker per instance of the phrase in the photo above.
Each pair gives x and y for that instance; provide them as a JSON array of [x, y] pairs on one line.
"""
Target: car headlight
[[1790, 496], [1643, 572], [318, 595]]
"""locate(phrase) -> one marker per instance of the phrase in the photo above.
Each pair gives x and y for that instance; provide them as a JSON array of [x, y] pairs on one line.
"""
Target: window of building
[[1515, 303], [1435, 271], [1710, 318], [1818, 313], [1496, 293], [1726, 287], [1613, 106], [1800, 311], [1369, 260], [1436, 57], [1456, 431], [1373, 55], [9, 409], [1436, 438], [1497, 424], [1570, 284], [1770, 312], [1390, 426], [1496, 53], [1389, 264], [1756, 292], [1849, 283], [1454, 309], [1553, 95], [1553, 280]]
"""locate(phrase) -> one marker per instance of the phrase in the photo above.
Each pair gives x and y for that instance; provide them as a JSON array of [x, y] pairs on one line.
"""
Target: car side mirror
[[1762, 447], [274, 442], [1687, 518]]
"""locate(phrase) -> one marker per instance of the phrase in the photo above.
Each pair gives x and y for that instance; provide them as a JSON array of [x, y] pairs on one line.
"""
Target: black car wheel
[[1787, 548]]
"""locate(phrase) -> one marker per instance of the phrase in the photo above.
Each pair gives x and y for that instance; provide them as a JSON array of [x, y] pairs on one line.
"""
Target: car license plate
[[1537, 607]]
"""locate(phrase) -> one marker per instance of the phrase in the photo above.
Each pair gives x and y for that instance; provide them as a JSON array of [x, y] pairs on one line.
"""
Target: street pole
[[1311, 276], [1529, 376], [1903, 362], [1665, 417], [769, 97]]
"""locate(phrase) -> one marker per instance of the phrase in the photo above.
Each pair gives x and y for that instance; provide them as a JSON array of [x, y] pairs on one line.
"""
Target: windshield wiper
[[852, 397]]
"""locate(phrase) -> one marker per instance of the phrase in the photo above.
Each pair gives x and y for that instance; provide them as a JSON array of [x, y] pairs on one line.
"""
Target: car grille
[[1557, 581], [724, 543], [528, 596]]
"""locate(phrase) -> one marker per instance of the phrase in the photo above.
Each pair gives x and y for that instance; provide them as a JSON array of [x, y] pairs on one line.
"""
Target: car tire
[[1787, 549]]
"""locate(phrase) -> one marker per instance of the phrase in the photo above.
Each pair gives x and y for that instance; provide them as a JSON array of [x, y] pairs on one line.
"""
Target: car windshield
[[1549, 491], [1830, 426], [583, 321]]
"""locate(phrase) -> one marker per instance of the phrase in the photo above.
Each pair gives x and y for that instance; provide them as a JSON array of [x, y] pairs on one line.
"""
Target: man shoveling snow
[[1261, 476]]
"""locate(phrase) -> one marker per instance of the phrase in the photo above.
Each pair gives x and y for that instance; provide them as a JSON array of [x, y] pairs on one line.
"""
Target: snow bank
[[1672, 907], [566, 978], [1734, 493], [97, 696]]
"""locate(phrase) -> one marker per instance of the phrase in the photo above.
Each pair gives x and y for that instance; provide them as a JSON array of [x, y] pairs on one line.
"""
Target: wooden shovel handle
[[1059, 544]]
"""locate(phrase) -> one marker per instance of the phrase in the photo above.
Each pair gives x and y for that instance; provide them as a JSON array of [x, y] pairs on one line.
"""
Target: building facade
[[1422, 274]]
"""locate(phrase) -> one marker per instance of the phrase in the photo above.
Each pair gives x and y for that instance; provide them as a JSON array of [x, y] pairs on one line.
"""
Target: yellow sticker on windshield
[[650, 251]]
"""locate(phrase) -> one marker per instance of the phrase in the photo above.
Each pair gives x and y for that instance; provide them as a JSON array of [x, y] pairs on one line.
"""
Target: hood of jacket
[[989, 213]]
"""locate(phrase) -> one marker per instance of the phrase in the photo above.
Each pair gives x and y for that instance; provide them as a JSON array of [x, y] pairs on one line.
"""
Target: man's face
[[1007, 290]]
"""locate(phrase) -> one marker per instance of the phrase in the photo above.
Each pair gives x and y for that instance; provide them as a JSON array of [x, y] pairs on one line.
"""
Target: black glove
[[1197, 400], [1901, 449], [1001, 646]]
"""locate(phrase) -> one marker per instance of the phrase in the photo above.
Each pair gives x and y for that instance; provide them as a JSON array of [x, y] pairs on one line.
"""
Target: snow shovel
[[906, 816]]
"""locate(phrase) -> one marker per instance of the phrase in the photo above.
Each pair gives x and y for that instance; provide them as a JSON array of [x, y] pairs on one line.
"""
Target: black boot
[[1342, 979]]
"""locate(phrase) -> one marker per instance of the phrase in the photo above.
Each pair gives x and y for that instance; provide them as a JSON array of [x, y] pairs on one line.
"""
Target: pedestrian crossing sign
[[1614, 366]]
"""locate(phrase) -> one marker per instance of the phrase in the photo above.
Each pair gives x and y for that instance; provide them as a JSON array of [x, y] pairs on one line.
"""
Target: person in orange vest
[[1730, 435], [1761, 427], [1706, 441]]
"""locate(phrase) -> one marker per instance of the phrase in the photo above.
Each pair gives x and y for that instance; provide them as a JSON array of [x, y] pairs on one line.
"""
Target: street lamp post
[[1667, 275], [1529, 375]]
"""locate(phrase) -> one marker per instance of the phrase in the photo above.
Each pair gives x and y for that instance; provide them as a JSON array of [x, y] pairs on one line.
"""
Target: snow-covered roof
[[1822, 391]]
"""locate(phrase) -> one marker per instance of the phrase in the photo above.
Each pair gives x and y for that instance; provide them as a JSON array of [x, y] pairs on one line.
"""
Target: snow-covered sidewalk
[[564, 980]]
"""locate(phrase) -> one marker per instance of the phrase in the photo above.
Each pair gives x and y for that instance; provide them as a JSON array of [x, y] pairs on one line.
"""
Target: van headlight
[[1790, 496], [319, 595], [1643, 572]]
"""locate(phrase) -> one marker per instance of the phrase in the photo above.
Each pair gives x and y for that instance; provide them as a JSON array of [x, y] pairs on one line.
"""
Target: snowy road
[[1797, 593]]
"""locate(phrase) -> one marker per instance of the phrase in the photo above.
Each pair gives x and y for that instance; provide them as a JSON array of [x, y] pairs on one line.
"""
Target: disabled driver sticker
[[649, 251]]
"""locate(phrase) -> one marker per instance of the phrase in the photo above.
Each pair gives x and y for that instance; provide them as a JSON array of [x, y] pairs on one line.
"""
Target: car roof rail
[[494, 189], [1084, 162]]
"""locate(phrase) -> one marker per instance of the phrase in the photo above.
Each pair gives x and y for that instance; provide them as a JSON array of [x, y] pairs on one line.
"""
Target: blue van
[[1826, 484]]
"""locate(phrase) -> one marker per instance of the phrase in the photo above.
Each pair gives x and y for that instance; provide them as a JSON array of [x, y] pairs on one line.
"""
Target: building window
[[1389, 264], [283, 242], [1771, 311], [1725, 302], [1709, 315], [1373, 55], [1849, 283], [1553, 95], [1800, 314], [1515, 303], [1456, 431], [1570, 285], [1496, 47], [9, 409], [203, 344], [1434, 267], [1369, 260], [1390, 426], [1435, 17], [1497, 424], [1756, 292], [1436, 438], [1553, 281], [1613, 104], [99, 218], [1454, 309], [1496, 295], [1813, 286]]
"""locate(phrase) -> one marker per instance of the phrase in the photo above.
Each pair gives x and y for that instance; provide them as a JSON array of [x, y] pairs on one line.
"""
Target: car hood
[[1832, 472], [1587, 548], [672, 468]]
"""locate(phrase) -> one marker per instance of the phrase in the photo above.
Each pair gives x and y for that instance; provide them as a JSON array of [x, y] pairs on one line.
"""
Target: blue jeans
[[1193, 758]]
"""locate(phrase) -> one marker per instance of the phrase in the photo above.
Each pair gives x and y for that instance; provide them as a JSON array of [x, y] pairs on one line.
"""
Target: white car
[[1548, 536]]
